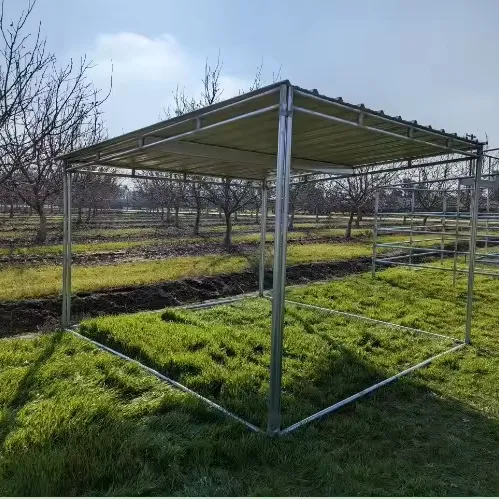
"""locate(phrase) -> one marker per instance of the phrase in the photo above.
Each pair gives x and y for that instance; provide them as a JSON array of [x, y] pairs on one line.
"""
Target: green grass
[[77, 421], [56, 249], [223, 353], [45, 280], [110, 246]]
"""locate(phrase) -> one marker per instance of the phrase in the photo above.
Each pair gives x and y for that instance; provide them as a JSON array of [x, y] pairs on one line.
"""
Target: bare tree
[[93, 192], [193, 195], [23, 63], [64, 116], [230, 197], [354, 192]]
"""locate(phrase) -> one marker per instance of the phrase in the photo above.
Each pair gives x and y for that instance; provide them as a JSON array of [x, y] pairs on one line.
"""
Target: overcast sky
[[434, 61]]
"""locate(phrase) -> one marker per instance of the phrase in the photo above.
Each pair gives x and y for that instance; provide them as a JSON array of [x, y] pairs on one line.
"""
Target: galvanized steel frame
[[476, 183], [286, 110]]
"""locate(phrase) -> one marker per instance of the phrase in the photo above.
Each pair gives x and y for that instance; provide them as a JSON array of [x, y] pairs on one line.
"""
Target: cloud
[[145, 73]]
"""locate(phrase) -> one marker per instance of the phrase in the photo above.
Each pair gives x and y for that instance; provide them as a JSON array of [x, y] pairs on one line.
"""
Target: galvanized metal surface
[[247, 125], [263, 234], [279, 268], [474, 206]]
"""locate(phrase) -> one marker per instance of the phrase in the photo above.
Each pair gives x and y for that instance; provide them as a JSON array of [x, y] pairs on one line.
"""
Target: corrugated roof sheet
[[329, 135]]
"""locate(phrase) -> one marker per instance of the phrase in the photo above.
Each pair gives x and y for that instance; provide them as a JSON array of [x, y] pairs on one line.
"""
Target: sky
[[431, 61]]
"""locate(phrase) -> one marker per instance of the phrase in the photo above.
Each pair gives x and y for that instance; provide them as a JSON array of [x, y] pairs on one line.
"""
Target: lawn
[[76, 420]]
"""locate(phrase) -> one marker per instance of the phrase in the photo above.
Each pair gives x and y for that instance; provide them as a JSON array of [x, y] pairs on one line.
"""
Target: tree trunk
[[348, 232], [425, 218], [228, 231], [405, 220], [219, 212], [80, 212], [291, 223], [177, 209], [317, 215], [358, 219], [168, 214], [235, 216], [11, 212], [89, 214], [197, 220], [41, 235], [162, 213]]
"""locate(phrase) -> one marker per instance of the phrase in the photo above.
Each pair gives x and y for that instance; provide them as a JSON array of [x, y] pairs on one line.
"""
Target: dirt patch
[[43, 314]]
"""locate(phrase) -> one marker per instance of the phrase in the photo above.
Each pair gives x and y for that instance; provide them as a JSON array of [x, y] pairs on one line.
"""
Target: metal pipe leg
[[442, 221], [375, 234], [69, 252], [263, 223], [456, 243], [475, 204], [64, 321], [279, 269]]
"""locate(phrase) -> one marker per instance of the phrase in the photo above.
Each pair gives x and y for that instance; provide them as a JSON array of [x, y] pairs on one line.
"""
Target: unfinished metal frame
[[188, 139], [449, 226]]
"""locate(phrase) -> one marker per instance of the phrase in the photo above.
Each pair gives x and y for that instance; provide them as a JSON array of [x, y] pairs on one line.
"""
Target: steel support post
[[66, 272], [64, 322], [279, 269], [487, 192], [442, 220], [456, 243], [413, 200], [474, 207], [263, 233], [375, 234]]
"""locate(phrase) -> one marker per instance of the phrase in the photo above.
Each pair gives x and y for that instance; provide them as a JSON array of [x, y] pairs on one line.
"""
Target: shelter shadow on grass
[[121, 440], [25, 388], [223, 353]]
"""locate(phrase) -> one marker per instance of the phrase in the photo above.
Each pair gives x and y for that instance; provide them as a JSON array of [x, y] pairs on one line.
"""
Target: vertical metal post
[[442, 239], [66, 271], [413, 200], [263, 233], [69, 250], [456, 242], [64, 321], [474, 207], [375, 233], [279, 269], [488, 211]]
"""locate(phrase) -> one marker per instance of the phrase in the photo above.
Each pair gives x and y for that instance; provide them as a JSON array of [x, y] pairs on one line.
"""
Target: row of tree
[[48, 108]]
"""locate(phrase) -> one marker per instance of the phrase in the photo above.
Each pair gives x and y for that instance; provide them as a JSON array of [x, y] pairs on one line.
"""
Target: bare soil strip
[[43, 314]]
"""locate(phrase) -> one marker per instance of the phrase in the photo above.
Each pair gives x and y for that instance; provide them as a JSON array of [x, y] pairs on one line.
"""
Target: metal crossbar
[[168, 380]]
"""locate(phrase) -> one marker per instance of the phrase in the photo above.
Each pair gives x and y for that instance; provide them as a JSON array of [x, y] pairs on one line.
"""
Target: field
[[76, 420], [141, 253]]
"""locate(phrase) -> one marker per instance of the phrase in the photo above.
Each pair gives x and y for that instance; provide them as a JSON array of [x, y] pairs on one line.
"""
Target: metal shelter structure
[[459, 230], [267, 136]]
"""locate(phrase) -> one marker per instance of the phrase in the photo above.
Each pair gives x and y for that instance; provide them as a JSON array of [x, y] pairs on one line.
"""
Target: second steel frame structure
[[316, 135]]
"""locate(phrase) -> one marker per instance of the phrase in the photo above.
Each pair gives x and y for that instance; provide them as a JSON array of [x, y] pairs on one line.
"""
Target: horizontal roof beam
[[227, 155], [383, 132], [248, 157]]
